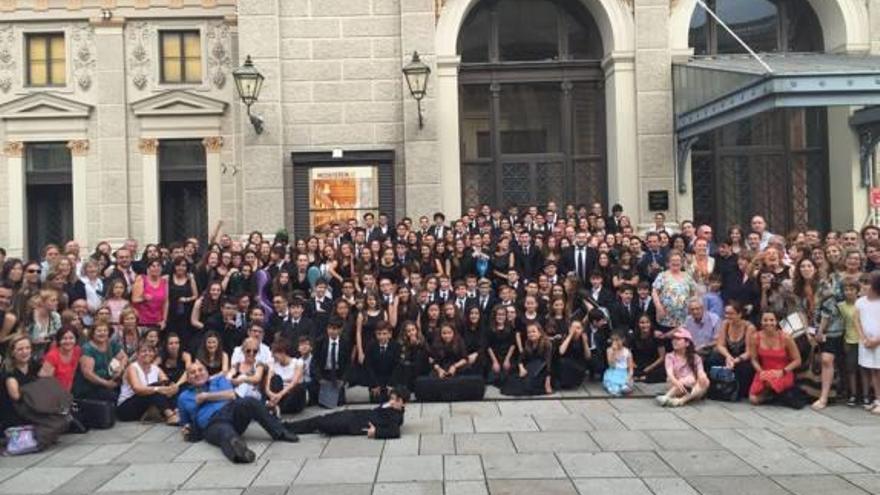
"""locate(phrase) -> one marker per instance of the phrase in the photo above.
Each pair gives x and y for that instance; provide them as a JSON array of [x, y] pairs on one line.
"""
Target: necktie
[[483, 303], [526, 250], [382, 350], [333, 355], [582, 270]]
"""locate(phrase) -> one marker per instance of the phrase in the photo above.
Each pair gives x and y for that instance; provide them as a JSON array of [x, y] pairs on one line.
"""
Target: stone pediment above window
[[177, 103], [43, 105]]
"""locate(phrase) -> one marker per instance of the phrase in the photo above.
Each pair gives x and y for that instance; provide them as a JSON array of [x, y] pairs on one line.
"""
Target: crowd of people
[[529, 300]]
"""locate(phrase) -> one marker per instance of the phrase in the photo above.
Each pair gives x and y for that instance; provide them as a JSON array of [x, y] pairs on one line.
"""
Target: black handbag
[[97, 414], [723, 384]]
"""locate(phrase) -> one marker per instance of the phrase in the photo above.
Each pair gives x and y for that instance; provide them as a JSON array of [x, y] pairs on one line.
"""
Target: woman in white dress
[[867, 321]]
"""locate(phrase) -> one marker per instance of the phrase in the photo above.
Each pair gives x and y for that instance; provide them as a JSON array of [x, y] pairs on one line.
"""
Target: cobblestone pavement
[[559, 445]]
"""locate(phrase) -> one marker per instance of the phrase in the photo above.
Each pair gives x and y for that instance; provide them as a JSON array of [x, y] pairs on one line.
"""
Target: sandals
[[819, 405], [172, 420]]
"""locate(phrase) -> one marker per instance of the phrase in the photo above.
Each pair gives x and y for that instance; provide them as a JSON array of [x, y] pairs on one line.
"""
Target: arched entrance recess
[[615, 26]]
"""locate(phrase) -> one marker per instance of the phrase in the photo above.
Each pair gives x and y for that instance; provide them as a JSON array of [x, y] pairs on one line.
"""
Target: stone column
[[213, 177], [111, 136], [657, 170], [447, 133], [150, 177], [79, 152], [261, 155], [623, 157], [16, 201]]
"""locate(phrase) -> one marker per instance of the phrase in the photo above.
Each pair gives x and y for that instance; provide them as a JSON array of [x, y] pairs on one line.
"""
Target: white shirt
[[264, 356], [330, 349]]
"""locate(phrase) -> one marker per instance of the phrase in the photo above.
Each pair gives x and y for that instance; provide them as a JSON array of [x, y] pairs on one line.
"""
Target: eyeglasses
[[35, 270], [250, 351]]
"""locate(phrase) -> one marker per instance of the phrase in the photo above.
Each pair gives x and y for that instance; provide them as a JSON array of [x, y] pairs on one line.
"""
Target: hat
[[682, 333]]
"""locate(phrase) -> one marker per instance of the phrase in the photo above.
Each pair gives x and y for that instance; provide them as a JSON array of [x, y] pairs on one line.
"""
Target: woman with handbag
[[731, 348], [19, 369]]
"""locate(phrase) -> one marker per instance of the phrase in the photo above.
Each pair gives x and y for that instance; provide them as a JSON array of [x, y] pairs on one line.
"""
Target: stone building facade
[[338, 115]]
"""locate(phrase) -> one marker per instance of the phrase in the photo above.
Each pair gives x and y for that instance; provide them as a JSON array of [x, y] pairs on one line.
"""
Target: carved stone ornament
[[219, 59], [438, 8], [78, 147], [13, 149], [148, 146], [7, 57], [213, 144], [140, 35], [83, 50]]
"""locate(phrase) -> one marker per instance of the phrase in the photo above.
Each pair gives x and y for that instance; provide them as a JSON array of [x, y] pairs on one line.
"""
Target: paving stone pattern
[[557, 445]]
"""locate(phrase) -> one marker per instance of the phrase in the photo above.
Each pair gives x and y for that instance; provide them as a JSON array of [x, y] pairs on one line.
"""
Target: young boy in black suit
[[382, 357]]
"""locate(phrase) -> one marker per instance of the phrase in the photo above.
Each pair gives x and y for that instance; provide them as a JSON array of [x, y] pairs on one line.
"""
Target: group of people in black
[[530, 300]]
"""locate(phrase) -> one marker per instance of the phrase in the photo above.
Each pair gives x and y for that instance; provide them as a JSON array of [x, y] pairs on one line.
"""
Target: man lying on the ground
[[382, 422], [209, 409]]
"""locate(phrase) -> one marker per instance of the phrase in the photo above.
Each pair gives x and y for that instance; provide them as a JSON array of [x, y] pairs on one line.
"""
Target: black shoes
[[241, 453], [288, 436]]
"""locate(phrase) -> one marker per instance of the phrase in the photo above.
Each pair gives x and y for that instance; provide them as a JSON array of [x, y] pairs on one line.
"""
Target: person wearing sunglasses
[[209, 409], [264, 353], [247, 375]]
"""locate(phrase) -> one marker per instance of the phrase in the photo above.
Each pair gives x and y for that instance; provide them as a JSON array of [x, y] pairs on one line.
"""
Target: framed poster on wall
[[333, 187], [340, 193]]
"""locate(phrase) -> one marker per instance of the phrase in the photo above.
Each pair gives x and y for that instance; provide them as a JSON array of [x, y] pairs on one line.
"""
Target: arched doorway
[[776, 163], [531, 104]]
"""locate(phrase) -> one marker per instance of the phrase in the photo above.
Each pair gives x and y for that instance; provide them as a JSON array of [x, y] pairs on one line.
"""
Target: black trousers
[[100, 393], [337, 423], [294, 401], [233, 419], [135, 406]]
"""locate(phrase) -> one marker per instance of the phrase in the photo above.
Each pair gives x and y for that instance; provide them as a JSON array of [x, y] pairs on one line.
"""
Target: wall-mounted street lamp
[[248, 82], [417, 73]]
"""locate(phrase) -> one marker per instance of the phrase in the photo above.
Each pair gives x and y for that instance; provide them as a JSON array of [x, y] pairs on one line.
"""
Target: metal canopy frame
[[805, 81]]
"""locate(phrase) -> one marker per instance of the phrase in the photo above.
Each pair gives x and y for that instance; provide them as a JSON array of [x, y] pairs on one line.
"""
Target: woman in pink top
[[684, 372], [149, 295]]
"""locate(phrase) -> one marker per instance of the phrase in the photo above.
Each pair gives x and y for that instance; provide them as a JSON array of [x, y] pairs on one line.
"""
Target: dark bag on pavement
[[723, 384], [454, 389], [45, 405], [97, 414]]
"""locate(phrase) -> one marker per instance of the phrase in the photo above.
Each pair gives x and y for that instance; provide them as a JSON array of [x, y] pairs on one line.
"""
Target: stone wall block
[[295, 49], [652, 27], [655, 113], [312, 113], [258, 36], [302, 70], [383, 112], [342, 91], [371, 69], [340, 49], [657, 156], [372, 26], [309, 28], [339, 8], [345, 134]]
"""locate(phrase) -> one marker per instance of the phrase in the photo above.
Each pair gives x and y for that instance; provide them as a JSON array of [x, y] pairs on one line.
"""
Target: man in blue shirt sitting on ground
[[209, 409]]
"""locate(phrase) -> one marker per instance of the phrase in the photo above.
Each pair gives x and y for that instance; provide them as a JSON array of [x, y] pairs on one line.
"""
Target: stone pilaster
[[16, 208], [79, 152], [654, 110], [261, 156], [150, 185], [110, 112], [214, 177]]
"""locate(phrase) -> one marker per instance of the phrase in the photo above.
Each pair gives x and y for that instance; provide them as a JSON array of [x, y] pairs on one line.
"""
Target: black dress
[[8, 416], [571, 367], [645, 351], [475, 342], [179, 312], [413, 364], [173, 370], [500, 344]]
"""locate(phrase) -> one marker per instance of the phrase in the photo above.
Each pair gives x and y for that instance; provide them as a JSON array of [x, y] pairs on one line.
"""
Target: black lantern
[[417, 73], [249, 82]]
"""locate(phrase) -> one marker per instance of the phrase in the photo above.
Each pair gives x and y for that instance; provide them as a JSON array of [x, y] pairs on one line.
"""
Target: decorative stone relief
[[140, 36], [7, 57], [219, 59], [148, 146], [438, 8], [83, 50], [213, 144], [13, 149], [78, 147]]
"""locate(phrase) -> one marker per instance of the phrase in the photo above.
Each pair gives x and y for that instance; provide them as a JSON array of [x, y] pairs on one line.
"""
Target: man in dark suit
[[625, 312], [612, 223], [527, 258], [654, 260], [382, 422], [332, 354], [580, 258], [644, 301], [485, 300], [598, 293], [298, 324], [279, 321], [439, 229], [461, 299], [277, 262], [381, 358]]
